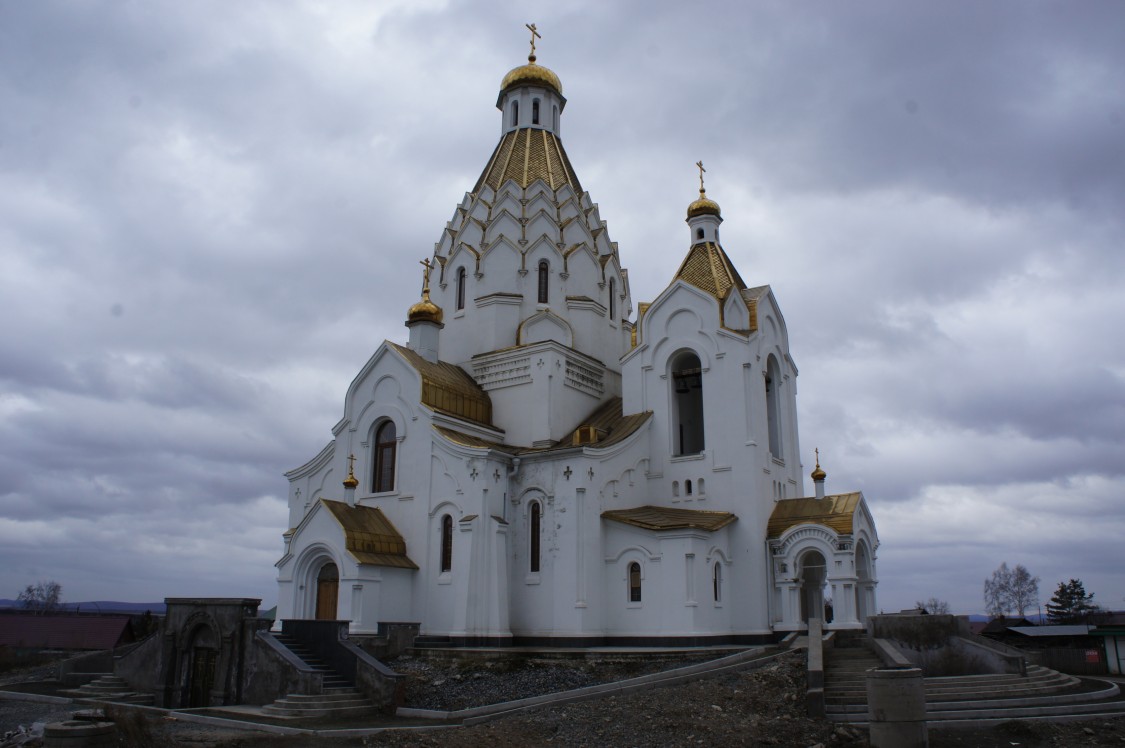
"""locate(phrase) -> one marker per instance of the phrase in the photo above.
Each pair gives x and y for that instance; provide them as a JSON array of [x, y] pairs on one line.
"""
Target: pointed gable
[[708, 268]]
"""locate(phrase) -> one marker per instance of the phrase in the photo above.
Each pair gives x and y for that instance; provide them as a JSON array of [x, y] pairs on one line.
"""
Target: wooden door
[[327, 591], [202, 676]]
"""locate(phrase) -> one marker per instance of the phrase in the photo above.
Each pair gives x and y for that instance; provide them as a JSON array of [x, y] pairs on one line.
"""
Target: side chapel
[[538, 466]]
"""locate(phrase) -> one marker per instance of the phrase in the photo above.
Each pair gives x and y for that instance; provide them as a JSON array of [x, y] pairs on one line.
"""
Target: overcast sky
[[211, 215]]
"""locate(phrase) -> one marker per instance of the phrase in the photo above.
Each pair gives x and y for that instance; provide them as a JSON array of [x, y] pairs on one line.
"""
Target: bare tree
[[44, 596], [1010, 590], [933, 605]]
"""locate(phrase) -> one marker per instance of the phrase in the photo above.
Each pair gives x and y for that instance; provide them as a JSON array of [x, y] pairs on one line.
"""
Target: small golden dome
[[531, 75], [704, 206], [351, 481], [425, 311], [818, 473]]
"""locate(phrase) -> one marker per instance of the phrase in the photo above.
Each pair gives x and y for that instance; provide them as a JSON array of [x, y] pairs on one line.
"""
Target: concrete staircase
[[110, 688], [338, 698], [973, 699]]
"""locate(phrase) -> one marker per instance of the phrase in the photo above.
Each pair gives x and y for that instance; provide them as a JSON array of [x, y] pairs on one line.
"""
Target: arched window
[[383, 478], [535, 112], [700, 486], [687, 401], [773, 407], [687, 487], [634, 582], [675, 488], [612, 299], [515, 113], [717, 582], [461, 288], [536, 521], [544, 272], [446, 543]]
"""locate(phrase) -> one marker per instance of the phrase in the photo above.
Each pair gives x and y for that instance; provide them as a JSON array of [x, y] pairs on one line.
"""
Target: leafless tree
[[933, 605], [1010, 590], [43, 597]]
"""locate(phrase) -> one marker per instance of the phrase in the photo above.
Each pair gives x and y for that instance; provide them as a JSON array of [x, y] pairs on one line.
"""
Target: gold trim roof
[[525, 156], [369, 536], [708, 268], [608, 420], [449, 388], [668, 518], [836, 512]]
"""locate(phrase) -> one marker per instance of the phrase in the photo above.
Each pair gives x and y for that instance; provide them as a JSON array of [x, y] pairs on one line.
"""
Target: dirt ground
[[753, 708]]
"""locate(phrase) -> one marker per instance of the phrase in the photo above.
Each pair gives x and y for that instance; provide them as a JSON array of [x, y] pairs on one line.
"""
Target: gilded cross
[[351, 464], [534, 35], [701, 170], [429, 266], [817, 450]]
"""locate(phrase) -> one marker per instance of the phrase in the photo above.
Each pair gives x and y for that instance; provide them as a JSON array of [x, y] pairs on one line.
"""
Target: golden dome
[[704, 206], [531, 75], [351, 481], [425, 311], [818, 473]]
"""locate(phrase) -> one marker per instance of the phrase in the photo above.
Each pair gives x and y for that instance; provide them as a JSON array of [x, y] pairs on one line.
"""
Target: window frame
[[386, 456], [445, 561]]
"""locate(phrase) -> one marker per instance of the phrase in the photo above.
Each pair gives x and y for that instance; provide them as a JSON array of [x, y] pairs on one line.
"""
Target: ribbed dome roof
[[531, 75], [704, 206]]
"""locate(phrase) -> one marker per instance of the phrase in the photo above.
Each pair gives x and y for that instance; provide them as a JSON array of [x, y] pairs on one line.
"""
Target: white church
[[537, 465]]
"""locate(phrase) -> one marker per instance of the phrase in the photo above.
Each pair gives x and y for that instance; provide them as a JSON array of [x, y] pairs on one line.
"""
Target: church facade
[[539, 464]]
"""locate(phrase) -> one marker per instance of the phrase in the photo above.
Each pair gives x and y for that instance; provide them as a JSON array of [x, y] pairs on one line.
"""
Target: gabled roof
[[369, 536], [449, 388], [708, 268], [526, 155], [835, 512], [668, 518], [609, 420], [24, 631]]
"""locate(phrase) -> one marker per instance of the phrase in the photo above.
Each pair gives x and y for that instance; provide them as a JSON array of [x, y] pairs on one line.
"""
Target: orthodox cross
[[817, 450], [534, 35], [426, 274], [701, 170], [351, 464]]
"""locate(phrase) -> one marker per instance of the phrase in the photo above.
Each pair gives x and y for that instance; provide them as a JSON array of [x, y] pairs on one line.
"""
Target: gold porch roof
[[609, 421], [449, 388], [835, 512], [668, 518], [369, 536], [708, 268], [526, 155]]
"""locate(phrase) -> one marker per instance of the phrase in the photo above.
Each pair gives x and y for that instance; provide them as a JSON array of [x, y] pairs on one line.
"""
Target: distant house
[[26, 632], [1110, 627]]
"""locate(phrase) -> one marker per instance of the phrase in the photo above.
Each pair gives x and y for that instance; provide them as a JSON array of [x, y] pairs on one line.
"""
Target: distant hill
[[100, 606]]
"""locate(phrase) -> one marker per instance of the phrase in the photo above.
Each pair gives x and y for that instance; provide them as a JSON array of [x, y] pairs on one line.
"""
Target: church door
[[202, 676], [327, 590]]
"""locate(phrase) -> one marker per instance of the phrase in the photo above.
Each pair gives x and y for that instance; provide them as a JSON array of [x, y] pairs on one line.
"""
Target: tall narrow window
[[687, 402], [535, 112], [461, 288], [544, 272], [385, 443], [612, 299], [536, 520], [555, 118], [717, 582], [634, 582], [515, 113], [446, 543], [687, 487], [773, 407]]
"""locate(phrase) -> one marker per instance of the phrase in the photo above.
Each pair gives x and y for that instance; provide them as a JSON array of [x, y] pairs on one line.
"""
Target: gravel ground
[[751, 708]]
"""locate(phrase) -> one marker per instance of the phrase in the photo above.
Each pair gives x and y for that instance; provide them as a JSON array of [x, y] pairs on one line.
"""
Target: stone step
[[1110, 691], [1099, 708], [350, 694]]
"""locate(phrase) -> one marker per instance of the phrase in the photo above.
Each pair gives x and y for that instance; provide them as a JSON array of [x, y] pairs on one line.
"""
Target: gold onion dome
[[425, 311], [531, 75], [704, 206], [818, 473]]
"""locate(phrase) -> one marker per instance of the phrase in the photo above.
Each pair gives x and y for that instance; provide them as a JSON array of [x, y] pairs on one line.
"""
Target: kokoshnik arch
[[538, 465]]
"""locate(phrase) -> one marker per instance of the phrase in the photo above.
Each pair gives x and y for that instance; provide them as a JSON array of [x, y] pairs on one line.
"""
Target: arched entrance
[[863, 587], [327, 592], [813, 575]]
